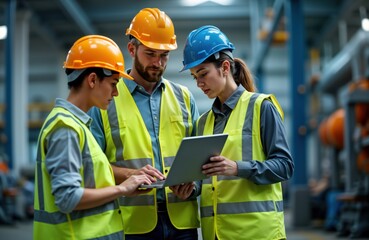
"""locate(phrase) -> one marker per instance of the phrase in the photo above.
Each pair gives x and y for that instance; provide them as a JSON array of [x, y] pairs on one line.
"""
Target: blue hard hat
[[203, 42]]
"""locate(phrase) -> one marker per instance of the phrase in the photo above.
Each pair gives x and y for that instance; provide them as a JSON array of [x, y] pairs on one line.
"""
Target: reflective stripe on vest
[[128, 144], [243, 207], [48, 220], [59, 217], [229, 203]]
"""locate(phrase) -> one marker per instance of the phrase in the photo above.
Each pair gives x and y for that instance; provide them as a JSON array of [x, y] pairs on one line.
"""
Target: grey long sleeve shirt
[[64, 160], [279, 165]]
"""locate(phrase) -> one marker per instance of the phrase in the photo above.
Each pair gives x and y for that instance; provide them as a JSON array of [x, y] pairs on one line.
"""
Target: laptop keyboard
[[158, 183]]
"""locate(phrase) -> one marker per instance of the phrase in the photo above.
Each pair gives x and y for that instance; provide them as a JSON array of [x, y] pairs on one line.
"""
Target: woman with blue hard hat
[[242, 198]]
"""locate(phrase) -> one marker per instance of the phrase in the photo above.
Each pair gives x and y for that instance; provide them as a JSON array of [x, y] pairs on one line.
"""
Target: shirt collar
[[231, 102], [77, 112], [132, 85]]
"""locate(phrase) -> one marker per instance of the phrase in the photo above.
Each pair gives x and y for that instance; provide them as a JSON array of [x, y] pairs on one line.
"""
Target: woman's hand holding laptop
[[184, 190]]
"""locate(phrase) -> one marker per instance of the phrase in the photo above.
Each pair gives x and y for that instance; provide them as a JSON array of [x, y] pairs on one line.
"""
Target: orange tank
[[363, 160], [323, 132], [335, 128]]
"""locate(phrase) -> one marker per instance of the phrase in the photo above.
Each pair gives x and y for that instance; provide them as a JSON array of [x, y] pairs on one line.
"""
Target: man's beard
[[144, 72]]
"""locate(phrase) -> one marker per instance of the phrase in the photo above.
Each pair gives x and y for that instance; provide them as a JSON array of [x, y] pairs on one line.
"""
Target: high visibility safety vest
[[103, 222], [128, 144], [234, 208]]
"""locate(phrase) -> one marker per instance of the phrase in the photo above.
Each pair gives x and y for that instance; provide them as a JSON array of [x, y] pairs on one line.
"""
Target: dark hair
[[240, 72], [78, 82], [134, 41]]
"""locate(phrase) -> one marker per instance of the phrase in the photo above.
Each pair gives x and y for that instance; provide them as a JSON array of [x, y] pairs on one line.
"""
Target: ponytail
[[242, 75], [240, 72]]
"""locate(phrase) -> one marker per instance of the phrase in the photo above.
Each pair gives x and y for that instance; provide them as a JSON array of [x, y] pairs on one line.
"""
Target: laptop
[[193, 152]]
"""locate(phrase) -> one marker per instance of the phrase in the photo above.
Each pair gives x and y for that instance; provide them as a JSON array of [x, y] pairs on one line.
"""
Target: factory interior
[[312, 55]]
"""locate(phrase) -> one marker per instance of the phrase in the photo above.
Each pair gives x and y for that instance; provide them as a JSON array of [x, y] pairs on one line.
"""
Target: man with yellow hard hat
[[142, 128]]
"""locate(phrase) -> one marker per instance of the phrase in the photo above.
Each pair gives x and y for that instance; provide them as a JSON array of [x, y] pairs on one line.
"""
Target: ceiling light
[[365, 24], [192, 3], [364, 19], [3, 32]]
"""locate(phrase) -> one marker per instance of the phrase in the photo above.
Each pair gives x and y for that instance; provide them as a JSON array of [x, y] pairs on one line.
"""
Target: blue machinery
[[351, 64]]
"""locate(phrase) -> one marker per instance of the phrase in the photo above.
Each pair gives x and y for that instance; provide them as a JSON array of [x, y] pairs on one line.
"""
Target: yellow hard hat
[[95, 51], [154, 29]]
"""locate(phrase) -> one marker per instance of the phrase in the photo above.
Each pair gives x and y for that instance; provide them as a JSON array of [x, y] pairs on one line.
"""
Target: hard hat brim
[[160, 46], [125, 75]]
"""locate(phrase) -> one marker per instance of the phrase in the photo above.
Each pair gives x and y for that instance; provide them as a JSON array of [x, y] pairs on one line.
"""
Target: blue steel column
[[10, 19], [299, 196], [259, 80], [296, 51]]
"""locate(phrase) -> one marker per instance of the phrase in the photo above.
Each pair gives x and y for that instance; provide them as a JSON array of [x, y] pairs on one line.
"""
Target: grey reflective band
[[207, 181], [140, 200], [117, 235], [247, 130], [221, 178], [168, 161], [201, 123], [279, 206], [148, 200], [114, 128], [179, 95], [243, 207], [59, 217], [40, 190], [133, 163]]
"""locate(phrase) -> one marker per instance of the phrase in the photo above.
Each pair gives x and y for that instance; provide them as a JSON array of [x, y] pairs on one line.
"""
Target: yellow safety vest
[[234, 208], [103, 222], [128, 144]]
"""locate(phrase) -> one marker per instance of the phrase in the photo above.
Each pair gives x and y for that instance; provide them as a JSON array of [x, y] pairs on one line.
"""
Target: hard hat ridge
[[154, 29], [95, 51], [202, 43]]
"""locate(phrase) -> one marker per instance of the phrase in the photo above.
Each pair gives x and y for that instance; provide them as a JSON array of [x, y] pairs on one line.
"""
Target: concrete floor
[[22, 230]]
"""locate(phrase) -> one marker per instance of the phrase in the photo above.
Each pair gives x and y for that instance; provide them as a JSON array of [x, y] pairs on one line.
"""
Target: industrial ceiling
[[61, 22]]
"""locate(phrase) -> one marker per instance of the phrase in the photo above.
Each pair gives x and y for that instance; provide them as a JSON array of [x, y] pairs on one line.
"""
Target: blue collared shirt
[[64, 160], [149, 107]]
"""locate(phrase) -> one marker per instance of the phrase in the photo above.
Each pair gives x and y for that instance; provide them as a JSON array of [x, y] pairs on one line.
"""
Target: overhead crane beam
[[265, 45], [79, 16], [343, 12]]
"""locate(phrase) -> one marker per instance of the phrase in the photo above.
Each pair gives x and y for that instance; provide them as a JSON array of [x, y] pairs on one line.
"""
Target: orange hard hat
[[154, 29], [95, 51]]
